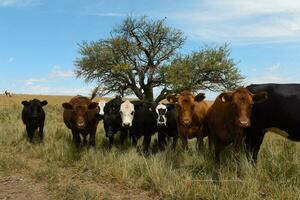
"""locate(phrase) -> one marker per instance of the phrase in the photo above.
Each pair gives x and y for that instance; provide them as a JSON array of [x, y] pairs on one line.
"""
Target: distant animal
[[191, 111], [8, 94], [101, 105], [228, 116], [166, 124], [139, 117], [112, 121], [280, 113], [81, 115], [33, 116]]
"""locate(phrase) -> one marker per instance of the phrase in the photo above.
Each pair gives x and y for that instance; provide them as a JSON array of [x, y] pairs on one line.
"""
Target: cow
[[166, 124], [191, 111], [8, 94], [101, 105], [33, 116], [112, 120], [140, 118], [280, 113], [228, 116], [81, 116]]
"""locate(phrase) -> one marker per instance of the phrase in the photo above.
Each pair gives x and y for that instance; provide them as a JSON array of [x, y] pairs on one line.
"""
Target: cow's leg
[[30, 133], [146, 143], [161, 140], [92, 138], [175, 138], [84, 140], [111, 140], [184, 141], [76, 138], [254, 139], [123, 135], [134, 138], [199, 144], [41, 132]]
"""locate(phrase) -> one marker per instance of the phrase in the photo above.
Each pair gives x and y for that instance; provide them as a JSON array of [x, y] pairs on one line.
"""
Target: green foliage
[[210, 68]]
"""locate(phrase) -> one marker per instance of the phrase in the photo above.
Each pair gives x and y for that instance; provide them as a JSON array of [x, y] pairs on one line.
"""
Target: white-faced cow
[[139, 117], [166, 124], [101, 105]]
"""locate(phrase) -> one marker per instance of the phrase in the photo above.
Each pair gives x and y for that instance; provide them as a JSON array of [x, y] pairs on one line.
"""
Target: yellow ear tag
[[223, 99]]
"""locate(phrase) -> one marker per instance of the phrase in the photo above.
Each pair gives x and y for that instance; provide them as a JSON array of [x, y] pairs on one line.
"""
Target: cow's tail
[[95, 91]]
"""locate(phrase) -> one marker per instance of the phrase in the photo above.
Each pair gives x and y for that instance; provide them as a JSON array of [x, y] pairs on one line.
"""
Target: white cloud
[[11, 60], [272, 74], [32, 81], [18, 3], [273, 69], [241, 21], [57, 72]]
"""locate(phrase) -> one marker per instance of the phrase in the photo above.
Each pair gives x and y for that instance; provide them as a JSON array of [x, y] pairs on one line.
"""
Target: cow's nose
[[245, 123], [127, 125], [187, 122]]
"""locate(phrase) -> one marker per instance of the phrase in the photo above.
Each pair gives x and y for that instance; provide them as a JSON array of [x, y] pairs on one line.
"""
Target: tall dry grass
[[74, 174]]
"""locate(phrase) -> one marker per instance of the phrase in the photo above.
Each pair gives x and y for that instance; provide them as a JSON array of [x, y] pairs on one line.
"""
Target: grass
[[81, 174]]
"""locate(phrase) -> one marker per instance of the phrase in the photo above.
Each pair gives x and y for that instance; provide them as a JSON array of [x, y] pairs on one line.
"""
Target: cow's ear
[[172, 98], [93, 105], [25, 103], [260, 97], [225, 97], [43, 103], [199, 97], [67, 106]]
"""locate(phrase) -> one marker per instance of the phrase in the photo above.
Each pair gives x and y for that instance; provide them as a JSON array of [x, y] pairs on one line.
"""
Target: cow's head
[[185, 103], [241, 102], [127, 113], [35, 106], [80, 112], [101, 105], [161, 111]]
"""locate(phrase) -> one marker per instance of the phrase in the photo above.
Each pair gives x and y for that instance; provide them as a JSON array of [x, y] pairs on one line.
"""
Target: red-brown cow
[[191, 111], [228, 116], [81, 116]]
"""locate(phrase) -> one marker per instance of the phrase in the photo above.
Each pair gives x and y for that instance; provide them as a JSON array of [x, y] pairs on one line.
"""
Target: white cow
[[101, 105], [127, 113]]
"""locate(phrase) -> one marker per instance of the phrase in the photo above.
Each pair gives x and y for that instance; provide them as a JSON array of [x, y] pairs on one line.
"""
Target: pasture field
[[54, 169]]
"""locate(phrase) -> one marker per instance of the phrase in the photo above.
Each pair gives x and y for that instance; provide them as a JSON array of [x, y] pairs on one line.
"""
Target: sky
[[38, 38]]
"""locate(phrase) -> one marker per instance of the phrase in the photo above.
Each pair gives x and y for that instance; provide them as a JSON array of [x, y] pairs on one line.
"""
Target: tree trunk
[[148, 94]]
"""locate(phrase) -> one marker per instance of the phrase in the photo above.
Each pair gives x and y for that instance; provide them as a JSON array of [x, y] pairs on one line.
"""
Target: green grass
[[77, 174]]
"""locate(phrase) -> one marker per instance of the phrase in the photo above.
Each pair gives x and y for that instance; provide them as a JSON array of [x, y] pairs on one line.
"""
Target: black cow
[[33, 117], [143, 121], [166, 124], [112, 120], [281, 111]]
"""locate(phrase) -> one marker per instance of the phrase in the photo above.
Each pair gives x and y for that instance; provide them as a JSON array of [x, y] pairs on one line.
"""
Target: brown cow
[[191, 111], [81, 116], [228, 116]]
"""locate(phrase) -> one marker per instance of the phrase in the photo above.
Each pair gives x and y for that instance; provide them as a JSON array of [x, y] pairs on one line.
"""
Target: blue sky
[[38, 38]]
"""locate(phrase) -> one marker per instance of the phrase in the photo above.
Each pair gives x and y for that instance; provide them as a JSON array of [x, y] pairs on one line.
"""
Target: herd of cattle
[[240, 117]]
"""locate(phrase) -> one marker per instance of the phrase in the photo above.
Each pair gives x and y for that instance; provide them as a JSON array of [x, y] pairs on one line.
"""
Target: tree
[[130, 60], [142, 54], [210, 68]]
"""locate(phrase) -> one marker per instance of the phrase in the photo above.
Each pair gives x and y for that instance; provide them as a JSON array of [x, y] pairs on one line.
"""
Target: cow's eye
[[132, 112], [120, 111]]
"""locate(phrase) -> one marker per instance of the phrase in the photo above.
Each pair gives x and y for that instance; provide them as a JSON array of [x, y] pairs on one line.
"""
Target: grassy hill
[[54, 169]]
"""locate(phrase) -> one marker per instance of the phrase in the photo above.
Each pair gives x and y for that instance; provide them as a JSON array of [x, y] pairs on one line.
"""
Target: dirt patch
[[19, 187]]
